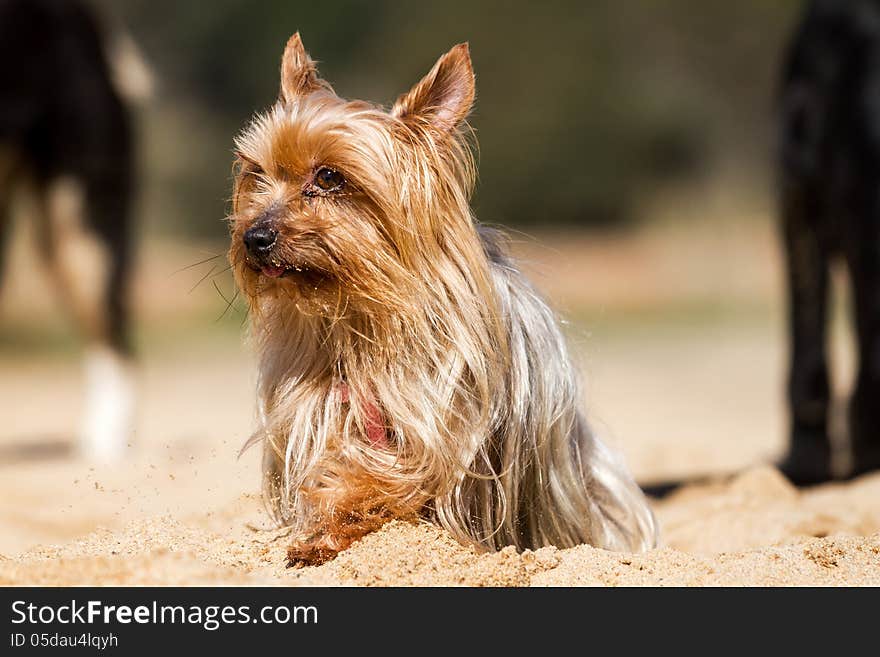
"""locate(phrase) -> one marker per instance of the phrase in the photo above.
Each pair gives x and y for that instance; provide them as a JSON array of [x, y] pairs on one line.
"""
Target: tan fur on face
[[393, 292]]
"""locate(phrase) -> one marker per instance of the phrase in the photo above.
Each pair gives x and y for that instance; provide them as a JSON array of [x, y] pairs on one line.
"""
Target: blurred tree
[[583, 107]]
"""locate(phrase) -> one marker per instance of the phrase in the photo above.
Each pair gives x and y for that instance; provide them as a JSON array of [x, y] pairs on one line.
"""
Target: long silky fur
[[429, 321]]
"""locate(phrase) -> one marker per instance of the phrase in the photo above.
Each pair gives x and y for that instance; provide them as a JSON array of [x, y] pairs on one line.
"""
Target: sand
[[755, 529]]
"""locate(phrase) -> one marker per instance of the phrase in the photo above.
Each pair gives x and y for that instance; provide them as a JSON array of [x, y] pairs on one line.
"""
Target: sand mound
[[755, 529]]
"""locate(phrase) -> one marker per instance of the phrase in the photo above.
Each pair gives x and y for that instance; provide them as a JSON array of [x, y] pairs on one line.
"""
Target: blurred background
[[627, 145]]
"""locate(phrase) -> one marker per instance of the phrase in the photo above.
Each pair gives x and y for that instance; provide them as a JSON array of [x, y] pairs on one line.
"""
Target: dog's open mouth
[[305, 274]]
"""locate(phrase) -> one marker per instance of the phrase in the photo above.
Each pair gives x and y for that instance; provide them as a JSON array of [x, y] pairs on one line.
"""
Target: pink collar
[[374, 423]]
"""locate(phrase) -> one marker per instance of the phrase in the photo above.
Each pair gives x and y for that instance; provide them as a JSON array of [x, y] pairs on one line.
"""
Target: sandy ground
[[696, 394]]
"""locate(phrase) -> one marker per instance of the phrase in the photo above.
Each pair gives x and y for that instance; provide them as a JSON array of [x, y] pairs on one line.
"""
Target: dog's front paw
[[338, 534], [310, 553]]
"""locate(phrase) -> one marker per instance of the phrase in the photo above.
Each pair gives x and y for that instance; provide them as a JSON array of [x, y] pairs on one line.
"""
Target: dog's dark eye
[[328, 180]]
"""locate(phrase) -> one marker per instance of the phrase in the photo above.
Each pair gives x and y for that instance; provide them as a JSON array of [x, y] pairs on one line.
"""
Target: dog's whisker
[[222, 271], [229, 301], [202, 279], [196, 264]]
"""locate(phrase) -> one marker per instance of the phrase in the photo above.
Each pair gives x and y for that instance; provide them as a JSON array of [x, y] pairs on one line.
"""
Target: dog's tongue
[[273, 272]]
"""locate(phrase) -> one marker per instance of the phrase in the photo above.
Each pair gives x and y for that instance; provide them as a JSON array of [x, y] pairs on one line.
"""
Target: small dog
[[829, 163], [65, 138], [407, 368]]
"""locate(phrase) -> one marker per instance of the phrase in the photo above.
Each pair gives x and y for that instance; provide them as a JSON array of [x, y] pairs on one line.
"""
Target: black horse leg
[[863, 256], [808, 460]]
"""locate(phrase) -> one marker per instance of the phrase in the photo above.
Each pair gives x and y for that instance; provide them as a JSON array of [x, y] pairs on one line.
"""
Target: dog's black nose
[[259, 240]]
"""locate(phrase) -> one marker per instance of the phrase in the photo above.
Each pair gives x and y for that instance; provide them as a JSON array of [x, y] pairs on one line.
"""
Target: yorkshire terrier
[[407, 369]]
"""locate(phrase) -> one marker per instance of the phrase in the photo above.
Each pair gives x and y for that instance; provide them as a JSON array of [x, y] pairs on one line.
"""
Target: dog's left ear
[[299, 75], [444, 96]]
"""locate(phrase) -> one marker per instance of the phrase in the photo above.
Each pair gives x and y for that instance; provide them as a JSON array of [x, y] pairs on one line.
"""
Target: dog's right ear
[[299, 75]]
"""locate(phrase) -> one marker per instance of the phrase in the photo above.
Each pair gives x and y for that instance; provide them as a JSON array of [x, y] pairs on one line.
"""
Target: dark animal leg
[[110, 213], [86, 244], [864, 411], [808, 460], [7, 180]]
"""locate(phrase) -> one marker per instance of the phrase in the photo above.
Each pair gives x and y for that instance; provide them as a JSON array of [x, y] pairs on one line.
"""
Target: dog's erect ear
[[444, 96], [299, 75]]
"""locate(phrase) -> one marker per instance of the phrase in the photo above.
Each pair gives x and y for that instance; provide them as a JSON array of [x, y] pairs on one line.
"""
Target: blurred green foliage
[[583, 107]]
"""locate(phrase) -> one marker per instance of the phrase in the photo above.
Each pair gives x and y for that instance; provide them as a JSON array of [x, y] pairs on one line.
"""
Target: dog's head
[[343, 202]]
